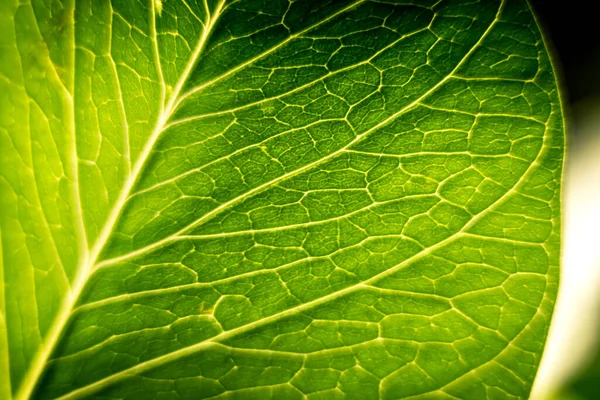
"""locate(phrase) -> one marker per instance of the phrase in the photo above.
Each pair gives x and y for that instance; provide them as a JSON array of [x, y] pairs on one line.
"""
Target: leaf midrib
[[89, 258], [86, 267]]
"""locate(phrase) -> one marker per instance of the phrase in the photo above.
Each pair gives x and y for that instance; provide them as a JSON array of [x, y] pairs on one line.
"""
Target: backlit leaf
[[272, 199]]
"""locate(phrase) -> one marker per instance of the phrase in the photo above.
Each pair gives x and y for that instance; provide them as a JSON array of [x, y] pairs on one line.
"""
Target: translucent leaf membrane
[[260, 199]]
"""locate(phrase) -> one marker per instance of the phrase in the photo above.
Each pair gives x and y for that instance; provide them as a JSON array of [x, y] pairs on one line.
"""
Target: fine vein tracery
[[284, 200]]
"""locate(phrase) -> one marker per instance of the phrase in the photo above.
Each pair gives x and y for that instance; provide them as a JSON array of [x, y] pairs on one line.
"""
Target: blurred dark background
[[574, 29]]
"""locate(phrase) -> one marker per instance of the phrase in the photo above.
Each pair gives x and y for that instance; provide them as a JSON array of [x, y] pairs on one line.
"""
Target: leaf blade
[[341, 215]]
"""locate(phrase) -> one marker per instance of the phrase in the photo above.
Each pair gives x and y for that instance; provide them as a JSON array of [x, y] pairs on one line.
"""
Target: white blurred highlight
[[573, 336]]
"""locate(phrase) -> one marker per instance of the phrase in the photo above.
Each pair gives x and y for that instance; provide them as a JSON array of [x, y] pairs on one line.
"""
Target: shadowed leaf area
[[252, 199]]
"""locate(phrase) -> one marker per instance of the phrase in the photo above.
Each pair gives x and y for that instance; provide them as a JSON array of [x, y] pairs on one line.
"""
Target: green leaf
[[269, 199]]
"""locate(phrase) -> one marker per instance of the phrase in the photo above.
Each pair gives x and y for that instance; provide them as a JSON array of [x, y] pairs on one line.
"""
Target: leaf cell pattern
[[252, 199]]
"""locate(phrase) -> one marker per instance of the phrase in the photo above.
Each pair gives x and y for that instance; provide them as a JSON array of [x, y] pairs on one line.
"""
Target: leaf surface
[[244, 199]]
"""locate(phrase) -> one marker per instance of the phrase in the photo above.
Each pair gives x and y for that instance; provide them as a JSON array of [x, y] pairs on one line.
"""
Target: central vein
[[88, 264]]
